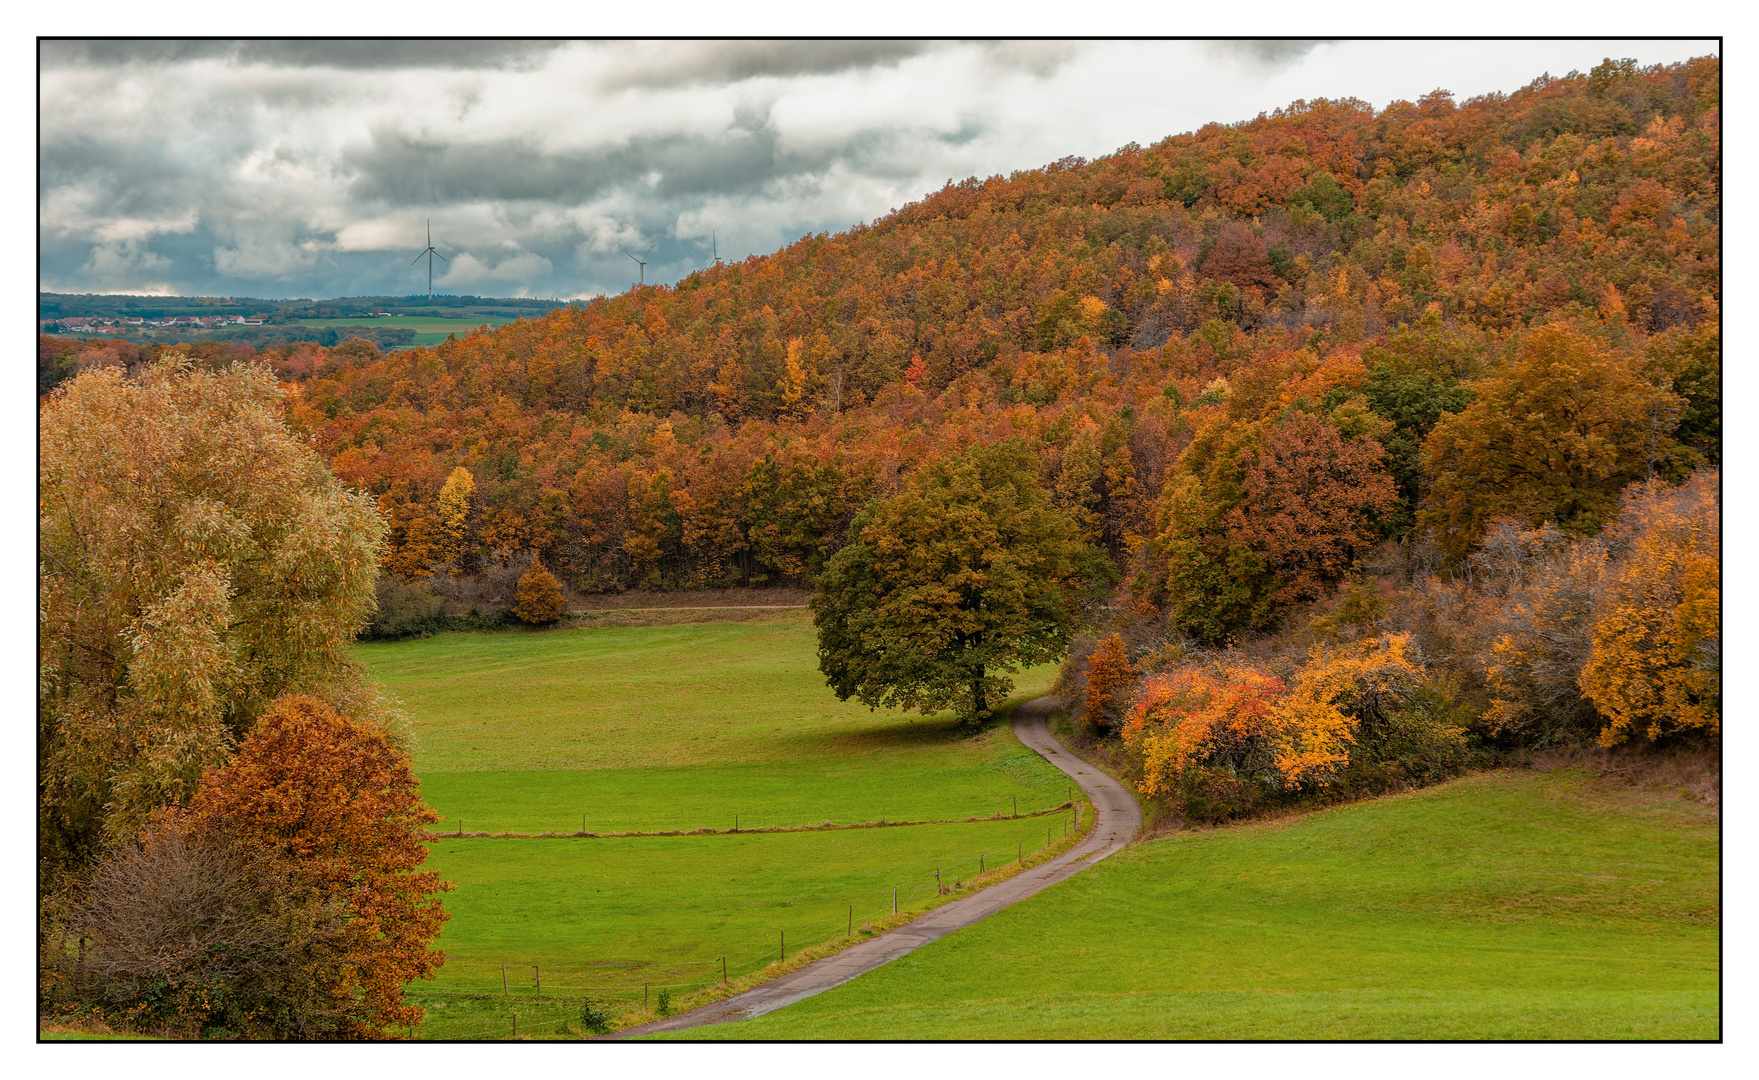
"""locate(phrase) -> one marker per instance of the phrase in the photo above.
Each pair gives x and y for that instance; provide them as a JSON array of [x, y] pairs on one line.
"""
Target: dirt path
[[1118, 820]]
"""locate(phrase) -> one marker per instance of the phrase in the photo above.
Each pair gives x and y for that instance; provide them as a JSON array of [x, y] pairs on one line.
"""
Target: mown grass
[[684, 726], [1509, 905], [601, 918]]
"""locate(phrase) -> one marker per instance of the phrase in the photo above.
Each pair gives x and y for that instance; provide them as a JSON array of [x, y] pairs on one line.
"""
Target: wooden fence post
[[503, 978], [723, 971]]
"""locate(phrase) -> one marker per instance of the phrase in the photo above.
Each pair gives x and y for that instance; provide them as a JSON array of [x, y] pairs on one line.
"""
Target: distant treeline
[[52, 306]]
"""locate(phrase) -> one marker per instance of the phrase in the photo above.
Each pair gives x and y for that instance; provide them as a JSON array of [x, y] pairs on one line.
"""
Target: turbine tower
[[430, 254], [642, 262]]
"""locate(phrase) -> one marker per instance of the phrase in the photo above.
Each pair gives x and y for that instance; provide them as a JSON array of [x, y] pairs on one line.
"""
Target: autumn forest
[[1387, 441]]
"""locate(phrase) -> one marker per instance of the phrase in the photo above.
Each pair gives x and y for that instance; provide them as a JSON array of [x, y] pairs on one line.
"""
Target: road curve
[[1118, 820]]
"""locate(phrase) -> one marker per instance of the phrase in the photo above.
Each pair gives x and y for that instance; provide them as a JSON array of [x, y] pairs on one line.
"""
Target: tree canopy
[[197, 560], [966, 575]]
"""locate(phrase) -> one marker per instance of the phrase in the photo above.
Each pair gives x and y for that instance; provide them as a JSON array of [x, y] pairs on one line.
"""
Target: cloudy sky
[[308, 168]]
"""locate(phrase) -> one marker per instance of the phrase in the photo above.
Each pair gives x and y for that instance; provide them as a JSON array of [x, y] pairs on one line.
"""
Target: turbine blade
[[417, 259], [440, 257]]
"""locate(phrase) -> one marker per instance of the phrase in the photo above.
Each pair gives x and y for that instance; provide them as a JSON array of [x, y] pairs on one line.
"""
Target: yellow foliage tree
[[1656, 660], [454, 513], [197, 560]]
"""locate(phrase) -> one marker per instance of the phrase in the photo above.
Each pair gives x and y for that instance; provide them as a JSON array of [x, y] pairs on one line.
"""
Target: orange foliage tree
[[337, 804], [1110, 680], [538, 596], [1224, 736]]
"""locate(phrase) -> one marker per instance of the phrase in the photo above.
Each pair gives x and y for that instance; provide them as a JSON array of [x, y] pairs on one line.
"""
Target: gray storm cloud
[[308, 168]]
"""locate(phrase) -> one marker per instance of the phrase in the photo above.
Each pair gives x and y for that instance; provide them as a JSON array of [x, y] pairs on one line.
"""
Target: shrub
[[664, 1005], [595, 1017], [539, 596], [193, 932], [405, 608], [1223, 738]]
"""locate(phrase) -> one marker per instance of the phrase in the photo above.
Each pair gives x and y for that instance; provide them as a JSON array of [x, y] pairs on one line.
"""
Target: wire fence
[[531, 998], [454, 828]]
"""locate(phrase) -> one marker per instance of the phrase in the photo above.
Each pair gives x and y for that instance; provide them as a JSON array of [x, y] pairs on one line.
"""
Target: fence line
[[583, 834], [810, 936]]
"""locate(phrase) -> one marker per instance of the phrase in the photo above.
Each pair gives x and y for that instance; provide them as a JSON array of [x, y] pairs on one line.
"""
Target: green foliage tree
[[966, 574], [1414, 400], [196, 561], [1552, 436]]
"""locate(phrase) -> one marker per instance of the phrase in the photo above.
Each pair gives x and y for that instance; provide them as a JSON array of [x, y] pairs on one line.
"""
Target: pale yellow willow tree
[[197, 560]]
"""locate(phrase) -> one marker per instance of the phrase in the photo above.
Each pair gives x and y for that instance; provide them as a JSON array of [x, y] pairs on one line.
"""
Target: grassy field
[[687, 726], [1510, 905], [429, 330]]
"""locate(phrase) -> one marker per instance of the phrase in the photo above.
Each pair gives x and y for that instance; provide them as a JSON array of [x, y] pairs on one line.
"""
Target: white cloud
[[222, 169], [467, 272]]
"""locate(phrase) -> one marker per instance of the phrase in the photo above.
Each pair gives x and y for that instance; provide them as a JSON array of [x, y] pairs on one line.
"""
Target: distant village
[[81, 324]]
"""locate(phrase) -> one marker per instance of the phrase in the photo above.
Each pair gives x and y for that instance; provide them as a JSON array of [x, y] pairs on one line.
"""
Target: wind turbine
[[642, 262], [431, 255]]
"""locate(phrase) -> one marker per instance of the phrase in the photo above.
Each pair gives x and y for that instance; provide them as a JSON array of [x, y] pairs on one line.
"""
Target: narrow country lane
[[1118, 819]]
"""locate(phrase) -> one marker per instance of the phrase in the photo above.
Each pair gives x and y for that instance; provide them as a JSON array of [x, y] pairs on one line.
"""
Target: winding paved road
[[1118, 820]]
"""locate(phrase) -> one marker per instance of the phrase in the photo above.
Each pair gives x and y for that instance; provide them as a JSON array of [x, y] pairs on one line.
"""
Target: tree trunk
[[978, 705]]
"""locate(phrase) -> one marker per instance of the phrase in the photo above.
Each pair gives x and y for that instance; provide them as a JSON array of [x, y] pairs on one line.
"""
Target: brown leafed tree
[[336, 804], [1553, 436], [1111, 679], [539, 596]]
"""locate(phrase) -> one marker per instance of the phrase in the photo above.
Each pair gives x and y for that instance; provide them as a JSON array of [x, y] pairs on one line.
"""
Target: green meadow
[[680, 727], [699, 725], [1504, 905], [429, 329], [1509, 905]]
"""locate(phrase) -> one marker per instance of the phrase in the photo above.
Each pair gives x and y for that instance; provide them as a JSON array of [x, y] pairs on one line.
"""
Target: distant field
[[678, 727], [428, 330], [1502, 906]]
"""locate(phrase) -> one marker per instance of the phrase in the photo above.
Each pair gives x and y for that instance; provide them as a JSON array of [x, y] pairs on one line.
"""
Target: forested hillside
[[1325, 274], [1325, 283]]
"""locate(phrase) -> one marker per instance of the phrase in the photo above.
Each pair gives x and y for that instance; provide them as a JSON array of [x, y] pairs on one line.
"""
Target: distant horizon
[[308, 299]]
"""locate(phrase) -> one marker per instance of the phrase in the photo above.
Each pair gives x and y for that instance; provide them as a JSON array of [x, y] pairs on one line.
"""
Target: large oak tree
[[966, 575]]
